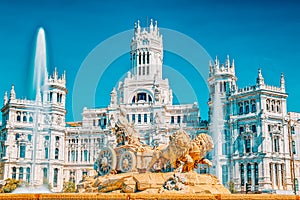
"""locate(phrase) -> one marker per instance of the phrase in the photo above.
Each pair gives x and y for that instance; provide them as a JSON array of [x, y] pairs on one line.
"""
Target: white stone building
[[256, 141], [32, 137]]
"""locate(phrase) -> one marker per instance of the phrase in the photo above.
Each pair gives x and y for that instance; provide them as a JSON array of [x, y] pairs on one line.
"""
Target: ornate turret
[[146, 52], [260, 78]]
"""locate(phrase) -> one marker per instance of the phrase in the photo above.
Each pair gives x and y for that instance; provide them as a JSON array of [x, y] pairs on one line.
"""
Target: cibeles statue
[[125, 131]]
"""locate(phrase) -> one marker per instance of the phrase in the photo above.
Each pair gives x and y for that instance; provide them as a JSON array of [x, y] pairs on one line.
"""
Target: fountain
[[39, 86]]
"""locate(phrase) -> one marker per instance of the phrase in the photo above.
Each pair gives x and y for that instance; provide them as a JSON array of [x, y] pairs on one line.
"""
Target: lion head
[[204, 143], [179, 146]]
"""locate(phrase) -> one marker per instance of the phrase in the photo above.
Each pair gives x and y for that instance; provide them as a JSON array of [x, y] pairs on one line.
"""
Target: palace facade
[[256, 139]]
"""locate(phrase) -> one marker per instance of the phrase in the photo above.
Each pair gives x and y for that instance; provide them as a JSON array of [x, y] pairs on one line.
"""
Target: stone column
[[79, 150]]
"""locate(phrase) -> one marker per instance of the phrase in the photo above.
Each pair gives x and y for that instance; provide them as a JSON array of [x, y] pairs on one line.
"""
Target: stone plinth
[[154, 183]]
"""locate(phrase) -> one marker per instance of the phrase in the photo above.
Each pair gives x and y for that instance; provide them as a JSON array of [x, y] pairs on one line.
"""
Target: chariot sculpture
[[130, 155]]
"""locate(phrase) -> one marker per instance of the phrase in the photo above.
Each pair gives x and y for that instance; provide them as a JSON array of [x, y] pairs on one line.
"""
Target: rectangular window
[[139, 118], [249, 180], [241, 129], [147, 70], [151, 117], [247, 145], [133, 117], [46, 152], [224, 175], [178, 119], [242, 175], [55, 177], [276, 144], [22, 151], [145, 118], [139, 70], [86, 153], [256, 173], [294, 147], [172, 119], [29, 137]]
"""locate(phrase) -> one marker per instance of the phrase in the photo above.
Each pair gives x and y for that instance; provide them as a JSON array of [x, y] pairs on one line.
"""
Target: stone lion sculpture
[[183, 153]]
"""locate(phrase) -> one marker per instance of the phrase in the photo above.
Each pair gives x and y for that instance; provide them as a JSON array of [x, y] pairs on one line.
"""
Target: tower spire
[[5, 98], [282, 82]]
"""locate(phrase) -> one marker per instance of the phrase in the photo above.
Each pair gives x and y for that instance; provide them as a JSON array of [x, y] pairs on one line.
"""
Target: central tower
[[147, 52]]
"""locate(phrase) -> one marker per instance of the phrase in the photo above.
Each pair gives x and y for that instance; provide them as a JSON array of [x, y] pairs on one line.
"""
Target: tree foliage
[[69, 187]]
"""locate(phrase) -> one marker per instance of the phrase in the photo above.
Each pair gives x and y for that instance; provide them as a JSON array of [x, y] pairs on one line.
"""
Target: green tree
[[11, 185], [231, 187], [69, 187]]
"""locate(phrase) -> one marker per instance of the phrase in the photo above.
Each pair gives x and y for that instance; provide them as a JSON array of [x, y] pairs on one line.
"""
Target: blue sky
[[256, 34]]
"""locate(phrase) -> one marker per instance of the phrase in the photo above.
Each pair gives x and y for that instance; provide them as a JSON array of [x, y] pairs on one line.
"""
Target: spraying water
[[39, 86], [40, 66], [217, 130]]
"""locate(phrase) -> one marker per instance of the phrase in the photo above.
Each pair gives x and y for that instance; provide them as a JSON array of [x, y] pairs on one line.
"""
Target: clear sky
[[257, 34]]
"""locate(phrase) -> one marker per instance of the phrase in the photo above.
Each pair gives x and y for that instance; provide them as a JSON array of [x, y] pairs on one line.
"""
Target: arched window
[[14, 173], [247, 107], [28, 174], [55, 177], [31, 119], [56, 153], [24, 117], [18, 117], [268, 104], [296, 184], [45, 173], [21, 173], [278, 107], [272, 105], [241, 108], [253, 106]]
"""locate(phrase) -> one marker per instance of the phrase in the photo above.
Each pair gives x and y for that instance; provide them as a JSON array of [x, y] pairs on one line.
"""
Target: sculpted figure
[[125, 131], [183, 153]]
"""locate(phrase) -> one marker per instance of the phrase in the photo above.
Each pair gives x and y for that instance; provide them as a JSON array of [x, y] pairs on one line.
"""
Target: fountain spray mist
[[39, 84]]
